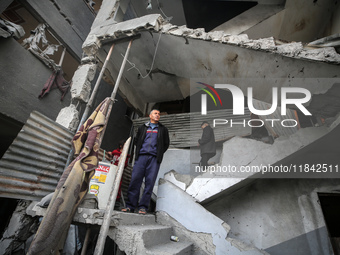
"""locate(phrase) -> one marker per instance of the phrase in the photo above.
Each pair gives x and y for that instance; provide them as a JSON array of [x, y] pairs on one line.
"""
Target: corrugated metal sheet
[[31, 167], [275, 128], [185, 128]]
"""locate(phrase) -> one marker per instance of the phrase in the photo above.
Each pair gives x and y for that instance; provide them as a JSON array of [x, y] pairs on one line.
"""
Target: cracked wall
[[281, 216]]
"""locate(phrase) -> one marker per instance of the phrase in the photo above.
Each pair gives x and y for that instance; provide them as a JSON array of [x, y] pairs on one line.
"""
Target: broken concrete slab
[[213, 55], [95, 216], [69, 117], [254, 153], [81, 82], [327, 54], [111, 30], [192, 219], [290, 49]]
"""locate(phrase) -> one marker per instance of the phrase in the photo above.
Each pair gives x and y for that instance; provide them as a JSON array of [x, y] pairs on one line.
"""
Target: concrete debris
[[8, 29], [323, 54], [68, 117], [216, 36], [168, 27], [112, 30], [181, 31], [262, 44], [81, 82], [20, 228], [88, 60], [37, 37], [235, 39], [156, 23], [290, 49]]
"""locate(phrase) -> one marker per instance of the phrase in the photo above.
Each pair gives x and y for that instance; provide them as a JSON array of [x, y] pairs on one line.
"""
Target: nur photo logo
[[204, 96], [238, 106]]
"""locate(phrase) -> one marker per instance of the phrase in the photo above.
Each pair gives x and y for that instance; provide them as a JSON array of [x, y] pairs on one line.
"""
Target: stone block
[[81, 82], [69, 117]]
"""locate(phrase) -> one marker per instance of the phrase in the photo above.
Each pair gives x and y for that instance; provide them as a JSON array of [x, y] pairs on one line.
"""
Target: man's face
[[154, 116], [204, 125]]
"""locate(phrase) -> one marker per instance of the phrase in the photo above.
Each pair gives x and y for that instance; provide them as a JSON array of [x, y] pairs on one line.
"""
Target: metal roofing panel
[[32, 165]]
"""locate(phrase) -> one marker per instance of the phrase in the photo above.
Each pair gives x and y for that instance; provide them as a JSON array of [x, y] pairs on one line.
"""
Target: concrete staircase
[[141, 234], [133, 233]]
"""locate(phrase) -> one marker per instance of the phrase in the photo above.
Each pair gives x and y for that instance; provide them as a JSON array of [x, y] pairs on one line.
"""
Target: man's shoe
[[127, 210], [142, 211]]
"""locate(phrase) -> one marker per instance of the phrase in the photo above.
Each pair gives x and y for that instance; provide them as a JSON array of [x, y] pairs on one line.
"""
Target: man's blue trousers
[[145, 166]]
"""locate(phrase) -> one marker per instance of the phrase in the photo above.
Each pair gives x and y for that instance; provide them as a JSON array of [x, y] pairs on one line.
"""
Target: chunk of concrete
[[81, 82], [69, 117]]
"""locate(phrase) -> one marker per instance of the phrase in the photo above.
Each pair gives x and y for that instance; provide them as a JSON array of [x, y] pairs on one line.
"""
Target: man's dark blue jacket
[[163, 140]]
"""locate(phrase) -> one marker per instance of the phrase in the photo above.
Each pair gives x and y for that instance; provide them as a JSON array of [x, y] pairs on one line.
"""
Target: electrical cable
[[166, 17], [133, 65]]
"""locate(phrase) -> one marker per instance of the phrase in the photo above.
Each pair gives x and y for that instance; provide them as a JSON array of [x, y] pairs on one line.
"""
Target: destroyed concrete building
[[170, 47]]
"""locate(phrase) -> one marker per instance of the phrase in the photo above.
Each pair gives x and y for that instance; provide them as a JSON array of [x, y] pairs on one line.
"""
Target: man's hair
[[204, 122], [121, 143], [154, 110]]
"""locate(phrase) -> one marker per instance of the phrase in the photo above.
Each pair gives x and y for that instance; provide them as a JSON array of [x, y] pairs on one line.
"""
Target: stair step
[[124, 218], [150, 234], [156, 236], [171, 248]]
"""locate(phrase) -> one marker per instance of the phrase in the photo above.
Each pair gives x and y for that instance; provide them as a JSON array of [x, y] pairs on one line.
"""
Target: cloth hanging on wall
[[56, 80]]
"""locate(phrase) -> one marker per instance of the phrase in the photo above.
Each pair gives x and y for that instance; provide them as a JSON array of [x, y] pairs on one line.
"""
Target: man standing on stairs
[[152, 140]]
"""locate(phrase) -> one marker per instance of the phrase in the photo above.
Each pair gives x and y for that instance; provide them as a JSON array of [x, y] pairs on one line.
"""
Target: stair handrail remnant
[[112, 199]]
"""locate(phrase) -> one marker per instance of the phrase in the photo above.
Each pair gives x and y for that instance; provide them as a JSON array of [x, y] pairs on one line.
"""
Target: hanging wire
[[166, 17], [133, 65]]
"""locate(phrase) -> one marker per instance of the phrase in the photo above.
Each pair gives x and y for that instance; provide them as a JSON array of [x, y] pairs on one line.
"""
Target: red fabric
[[116, 155], [56, 80], [115, 158]]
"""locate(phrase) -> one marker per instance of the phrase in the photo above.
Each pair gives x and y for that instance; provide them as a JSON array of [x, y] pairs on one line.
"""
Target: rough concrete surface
[[198, 219], [154, 22], [202, 241], [150, 238], [254, 153], [20, 227], [281, 216], [68, 117], [81, 82]]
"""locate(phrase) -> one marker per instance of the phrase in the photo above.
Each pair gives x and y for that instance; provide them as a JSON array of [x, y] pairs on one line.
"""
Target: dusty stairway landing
[[133, 233]]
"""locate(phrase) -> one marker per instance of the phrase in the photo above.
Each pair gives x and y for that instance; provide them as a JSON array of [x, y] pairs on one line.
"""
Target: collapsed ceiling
[[166, 57]]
